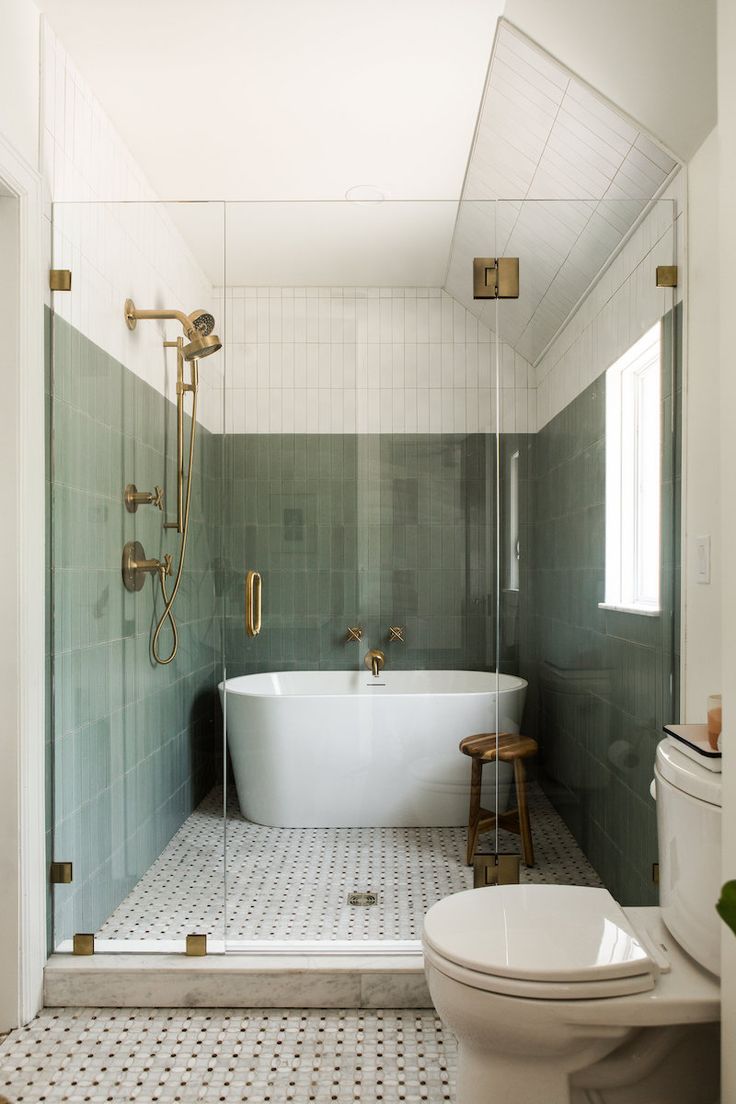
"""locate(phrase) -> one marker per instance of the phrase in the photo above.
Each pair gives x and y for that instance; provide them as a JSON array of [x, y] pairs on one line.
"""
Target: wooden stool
[[510, 748]]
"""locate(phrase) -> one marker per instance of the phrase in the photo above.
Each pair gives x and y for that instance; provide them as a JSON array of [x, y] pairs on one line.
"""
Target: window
[[633, 437]]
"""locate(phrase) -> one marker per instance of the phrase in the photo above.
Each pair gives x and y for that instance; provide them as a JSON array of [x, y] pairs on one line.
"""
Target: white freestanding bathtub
[[341, 749]]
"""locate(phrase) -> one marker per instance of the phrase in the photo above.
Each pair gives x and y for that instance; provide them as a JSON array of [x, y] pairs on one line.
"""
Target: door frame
[[23, 874]]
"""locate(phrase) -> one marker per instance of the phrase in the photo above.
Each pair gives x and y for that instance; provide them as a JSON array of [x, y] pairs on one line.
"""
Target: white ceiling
[[287, 99], [655, 59], [295, 101]]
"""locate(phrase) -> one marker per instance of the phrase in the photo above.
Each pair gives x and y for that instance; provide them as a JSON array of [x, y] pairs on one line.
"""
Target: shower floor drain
[[362, 899]]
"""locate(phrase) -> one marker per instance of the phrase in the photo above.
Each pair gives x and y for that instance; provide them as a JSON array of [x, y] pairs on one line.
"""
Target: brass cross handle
[[353, 634], [396, 633], [134, 498]]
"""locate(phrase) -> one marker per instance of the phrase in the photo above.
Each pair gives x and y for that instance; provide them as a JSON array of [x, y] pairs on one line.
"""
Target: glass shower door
[[589, 526], [135, 760]]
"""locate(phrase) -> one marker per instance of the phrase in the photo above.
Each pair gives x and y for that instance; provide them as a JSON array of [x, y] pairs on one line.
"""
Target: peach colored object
[[715, 714]]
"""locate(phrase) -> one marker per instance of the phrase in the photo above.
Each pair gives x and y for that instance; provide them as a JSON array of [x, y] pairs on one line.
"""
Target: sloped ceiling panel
[[580, 175]]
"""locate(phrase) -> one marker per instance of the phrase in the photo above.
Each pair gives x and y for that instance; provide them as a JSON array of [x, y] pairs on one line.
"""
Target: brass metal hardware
[[374, 661], [181, 388], [666, 276], [198, 327], [655, 873], [495, 277], [496, 869], [196, 945], [60, 873], [83, 943], [396, 633], [134, 498], [354, 634], [363, 899], [135, 566], [253, 589], [60, 279]]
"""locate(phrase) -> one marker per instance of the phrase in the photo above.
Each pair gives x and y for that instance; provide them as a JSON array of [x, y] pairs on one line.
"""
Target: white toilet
[[557, 995]]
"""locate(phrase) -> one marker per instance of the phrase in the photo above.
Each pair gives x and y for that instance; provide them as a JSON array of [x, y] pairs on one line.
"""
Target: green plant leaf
[[727, 905]]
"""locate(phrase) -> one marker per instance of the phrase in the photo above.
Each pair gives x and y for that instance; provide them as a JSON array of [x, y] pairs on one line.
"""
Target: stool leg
[[476, 774], [526, 831]]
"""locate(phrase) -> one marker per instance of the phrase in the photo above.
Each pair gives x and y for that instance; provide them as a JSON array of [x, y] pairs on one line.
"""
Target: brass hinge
[[655, 873], [83, 943], [196, 945], [666, 276], [495, 277], [60, 873], [496, 869], [60, 279]]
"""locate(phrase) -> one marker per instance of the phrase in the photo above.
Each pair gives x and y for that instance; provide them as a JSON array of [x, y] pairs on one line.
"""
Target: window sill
[[643, 611]]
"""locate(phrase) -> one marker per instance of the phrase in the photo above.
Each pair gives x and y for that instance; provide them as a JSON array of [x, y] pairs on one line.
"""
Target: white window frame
[[633, 477]]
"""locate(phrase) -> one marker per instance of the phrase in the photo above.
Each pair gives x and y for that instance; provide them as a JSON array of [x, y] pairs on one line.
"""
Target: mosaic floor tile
[[289, 883], [169, 1055]]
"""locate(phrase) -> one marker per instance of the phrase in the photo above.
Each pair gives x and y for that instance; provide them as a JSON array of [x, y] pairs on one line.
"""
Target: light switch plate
[[702, 559]]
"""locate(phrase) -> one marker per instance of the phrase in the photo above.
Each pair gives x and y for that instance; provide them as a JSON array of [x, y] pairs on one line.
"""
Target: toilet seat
[[539, 941]]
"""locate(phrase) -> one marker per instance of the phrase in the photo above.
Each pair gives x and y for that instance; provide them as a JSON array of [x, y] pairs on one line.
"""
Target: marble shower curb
[[236, 981]]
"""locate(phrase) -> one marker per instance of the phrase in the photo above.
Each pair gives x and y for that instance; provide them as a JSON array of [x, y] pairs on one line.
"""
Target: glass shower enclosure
[[418, 477]]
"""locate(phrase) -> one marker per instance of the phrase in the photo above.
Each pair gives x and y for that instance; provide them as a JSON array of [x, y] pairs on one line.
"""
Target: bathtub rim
[[514, 683]]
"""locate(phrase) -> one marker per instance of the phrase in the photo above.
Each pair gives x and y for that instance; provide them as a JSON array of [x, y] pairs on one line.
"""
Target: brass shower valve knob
[[352, 634], [396, 633], [134, 498]]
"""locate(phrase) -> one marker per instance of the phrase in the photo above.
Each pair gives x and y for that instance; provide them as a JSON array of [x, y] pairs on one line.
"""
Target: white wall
[[368, 360], [19, 20], [655, 60], [727, 298], [701, 608], [620, 307], [109, 229]]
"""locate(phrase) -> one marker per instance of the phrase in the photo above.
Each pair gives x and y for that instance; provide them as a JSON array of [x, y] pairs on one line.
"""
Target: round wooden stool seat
[[508, 747]]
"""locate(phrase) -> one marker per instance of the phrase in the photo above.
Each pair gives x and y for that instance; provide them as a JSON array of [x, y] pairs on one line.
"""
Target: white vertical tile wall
[[110, 230], [621, 306], [367, 360]]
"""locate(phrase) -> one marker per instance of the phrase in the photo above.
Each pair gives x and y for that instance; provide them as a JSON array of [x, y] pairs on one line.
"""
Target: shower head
[[198, 327], [202, 345], [203, 322]]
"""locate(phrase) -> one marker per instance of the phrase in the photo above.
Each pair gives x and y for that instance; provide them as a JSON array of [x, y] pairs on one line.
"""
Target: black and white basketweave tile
[[99, 1056], [293, 883]]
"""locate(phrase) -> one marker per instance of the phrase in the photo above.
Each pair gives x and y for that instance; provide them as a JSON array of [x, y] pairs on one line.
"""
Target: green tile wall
[[599, 680], [134, 744], [373, 530]]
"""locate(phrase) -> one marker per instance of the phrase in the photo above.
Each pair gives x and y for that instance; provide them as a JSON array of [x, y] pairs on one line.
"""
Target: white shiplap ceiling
[[571, 176]]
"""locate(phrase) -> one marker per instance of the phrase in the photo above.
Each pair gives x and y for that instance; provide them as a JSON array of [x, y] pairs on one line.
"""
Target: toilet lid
[[540, 933]]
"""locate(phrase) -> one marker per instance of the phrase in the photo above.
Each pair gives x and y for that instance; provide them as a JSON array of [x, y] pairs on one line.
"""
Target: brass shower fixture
[[198, 327]]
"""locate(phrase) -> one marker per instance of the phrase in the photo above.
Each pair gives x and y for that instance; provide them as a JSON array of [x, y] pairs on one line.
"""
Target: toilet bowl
[[557, 995]]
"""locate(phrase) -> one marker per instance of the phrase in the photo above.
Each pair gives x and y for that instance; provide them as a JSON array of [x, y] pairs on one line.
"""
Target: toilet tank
[[689, 834]]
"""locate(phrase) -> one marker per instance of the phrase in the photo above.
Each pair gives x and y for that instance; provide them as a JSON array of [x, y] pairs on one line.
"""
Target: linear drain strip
[[362, 899]]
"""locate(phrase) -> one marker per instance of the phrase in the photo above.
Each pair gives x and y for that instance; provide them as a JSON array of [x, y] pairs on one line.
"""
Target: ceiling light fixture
[[365, 193]]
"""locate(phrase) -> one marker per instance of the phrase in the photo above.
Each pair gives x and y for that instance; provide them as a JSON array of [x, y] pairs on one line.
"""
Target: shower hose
[[168, 614]]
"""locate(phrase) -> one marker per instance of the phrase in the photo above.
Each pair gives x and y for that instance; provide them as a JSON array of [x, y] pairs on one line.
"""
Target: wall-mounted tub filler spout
[[374, 661]]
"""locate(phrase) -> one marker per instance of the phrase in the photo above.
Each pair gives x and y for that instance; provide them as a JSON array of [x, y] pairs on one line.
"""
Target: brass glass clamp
[[134, 498]]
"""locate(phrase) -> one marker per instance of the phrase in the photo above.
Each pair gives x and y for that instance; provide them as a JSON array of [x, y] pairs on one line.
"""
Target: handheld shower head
[[198, 327], [202, 345]]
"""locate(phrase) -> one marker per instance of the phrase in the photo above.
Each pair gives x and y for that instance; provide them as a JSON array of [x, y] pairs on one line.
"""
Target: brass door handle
[[253, 588]]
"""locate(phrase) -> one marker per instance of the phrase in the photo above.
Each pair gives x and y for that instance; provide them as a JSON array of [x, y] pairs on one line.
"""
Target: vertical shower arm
[[181, 390]]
